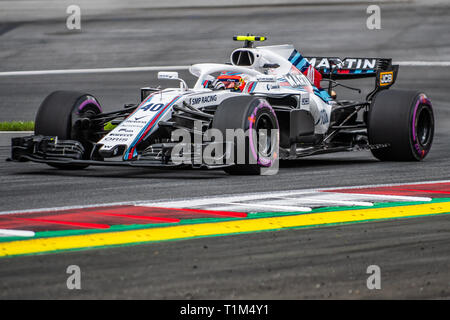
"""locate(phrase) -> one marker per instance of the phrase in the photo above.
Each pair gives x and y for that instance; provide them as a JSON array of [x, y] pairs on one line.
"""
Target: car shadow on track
[[308, 162], [123, 173], [185, 174]]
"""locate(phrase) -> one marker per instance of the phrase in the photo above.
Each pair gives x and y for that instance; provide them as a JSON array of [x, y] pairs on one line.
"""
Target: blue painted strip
[[296, 59], [324, 95], [302, 65], [293, 54]]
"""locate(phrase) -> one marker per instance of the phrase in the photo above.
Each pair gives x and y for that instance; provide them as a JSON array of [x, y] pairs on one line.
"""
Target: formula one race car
[[266, 105]]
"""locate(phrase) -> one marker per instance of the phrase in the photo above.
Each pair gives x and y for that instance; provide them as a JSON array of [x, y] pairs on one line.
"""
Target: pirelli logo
[[386, 78]]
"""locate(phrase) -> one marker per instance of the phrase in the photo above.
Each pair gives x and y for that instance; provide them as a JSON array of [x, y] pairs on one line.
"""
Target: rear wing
[[356, 68]]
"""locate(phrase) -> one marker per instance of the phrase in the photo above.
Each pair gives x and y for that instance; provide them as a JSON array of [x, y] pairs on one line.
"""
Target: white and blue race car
[[267, 104]]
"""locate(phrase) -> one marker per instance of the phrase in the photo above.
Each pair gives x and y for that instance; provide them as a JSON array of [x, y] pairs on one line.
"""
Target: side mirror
[[164, 75]]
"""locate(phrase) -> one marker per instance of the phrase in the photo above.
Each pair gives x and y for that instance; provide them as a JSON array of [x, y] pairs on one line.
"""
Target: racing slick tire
[[403, 120], [56, 115], [251, 114]]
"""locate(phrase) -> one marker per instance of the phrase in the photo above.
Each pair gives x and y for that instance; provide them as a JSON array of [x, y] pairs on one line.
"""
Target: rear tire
[[57, 113], [404, 120], [249, 113]]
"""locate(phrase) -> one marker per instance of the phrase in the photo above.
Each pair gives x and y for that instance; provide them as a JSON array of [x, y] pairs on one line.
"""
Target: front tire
[[57, 114], [252, 115], [404, 120]]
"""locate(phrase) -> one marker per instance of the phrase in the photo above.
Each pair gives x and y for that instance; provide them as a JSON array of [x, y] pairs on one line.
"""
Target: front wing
[[51, 150]]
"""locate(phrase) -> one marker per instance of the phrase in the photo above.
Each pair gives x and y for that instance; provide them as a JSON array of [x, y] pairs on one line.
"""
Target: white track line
[[388, 197], [205, 201], [332, 201], [94, 70], [277, 207], [381, 185], [423, 63], [16, 233], [161, 68]]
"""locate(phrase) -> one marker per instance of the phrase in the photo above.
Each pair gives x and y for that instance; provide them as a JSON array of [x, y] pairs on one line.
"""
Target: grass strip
[[29, 126], [17, 126]]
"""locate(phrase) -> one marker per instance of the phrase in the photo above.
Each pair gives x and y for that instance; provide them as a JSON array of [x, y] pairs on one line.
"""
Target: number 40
[[153, 107]]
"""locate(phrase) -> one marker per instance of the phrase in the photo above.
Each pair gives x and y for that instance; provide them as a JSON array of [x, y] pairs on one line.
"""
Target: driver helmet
[[232, 80]]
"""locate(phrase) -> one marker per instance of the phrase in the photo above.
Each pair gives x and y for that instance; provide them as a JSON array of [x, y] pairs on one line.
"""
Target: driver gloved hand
[[217, 85]]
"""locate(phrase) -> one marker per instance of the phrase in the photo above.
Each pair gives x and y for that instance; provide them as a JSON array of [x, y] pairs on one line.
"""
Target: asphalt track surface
[[325, 262]]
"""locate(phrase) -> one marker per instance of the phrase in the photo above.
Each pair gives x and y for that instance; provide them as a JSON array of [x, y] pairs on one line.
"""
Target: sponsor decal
[[273, 86], [304, 101], [115, 139], [139, 118], [266, 79], [124, 130], [133, 123], [386, 78], [296, 80], [348, 63], [203, 100], [153, 107], [120, 134], [323, 118]]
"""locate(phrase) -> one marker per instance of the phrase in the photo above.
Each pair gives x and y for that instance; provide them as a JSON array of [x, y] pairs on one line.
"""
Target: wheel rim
[[424, 126], [264, 128]]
